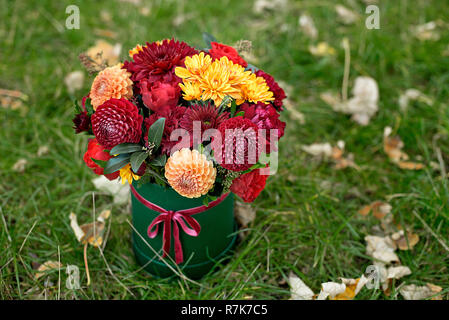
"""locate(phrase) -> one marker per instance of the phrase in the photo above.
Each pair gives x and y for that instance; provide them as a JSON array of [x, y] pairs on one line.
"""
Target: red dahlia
[[249, 185], [172, 121], [239, 148], [207, 115], [160, 97], [117, 121], [157, 62], [278, 92], [265, 117]]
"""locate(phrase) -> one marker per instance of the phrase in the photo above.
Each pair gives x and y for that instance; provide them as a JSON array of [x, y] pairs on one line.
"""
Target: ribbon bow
[[182, 217]]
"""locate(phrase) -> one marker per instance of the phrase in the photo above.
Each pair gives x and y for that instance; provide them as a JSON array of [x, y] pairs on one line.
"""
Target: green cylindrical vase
[[201, 253]]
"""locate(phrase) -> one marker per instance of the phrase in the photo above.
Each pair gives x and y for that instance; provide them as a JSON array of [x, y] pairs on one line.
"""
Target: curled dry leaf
[[299, 290], [322, 49], [91, 233], [120, 192], [346, 15], [414, 292], [405, 242], [393, 148], [335, 153], [14, 100], [261, 6], [105, 53], [74, 81], [378, 208], [353, 286], [47, 266], [362, 106], [331, 290], [20, 165], [426, 31], [381, 248], [307, 26], [319, 149], [413, 95], [42, 151]]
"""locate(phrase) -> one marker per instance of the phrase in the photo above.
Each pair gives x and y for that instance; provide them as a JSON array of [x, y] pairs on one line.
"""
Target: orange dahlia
[[190, 173], [111, 83]]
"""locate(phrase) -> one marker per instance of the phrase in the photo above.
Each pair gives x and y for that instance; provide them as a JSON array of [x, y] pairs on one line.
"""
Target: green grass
[[307, 218]]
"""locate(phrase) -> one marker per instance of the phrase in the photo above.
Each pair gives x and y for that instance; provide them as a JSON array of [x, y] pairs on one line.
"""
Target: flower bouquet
[[186, 128]]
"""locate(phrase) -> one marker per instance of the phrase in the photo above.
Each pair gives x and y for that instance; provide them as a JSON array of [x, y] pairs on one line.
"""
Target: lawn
[[307, 217]]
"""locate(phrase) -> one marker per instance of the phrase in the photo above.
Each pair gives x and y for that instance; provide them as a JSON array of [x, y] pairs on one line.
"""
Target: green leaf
[[155, 132], [240, 114], [159, 161], [78, 109], [89, 107], [233, 108], [137, 158], [101, 163], [252, 68], [125, 148], [116, 163], [225, 102], [208, 38]]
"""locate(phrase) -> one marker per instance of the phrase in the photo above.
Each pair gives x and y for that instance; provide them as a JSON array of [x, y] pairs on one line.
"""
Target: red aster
[[157, 61], [117, 121], [249, 185], [172, 121], [219, 50], [265, 117], [239, 148], [278, 92]]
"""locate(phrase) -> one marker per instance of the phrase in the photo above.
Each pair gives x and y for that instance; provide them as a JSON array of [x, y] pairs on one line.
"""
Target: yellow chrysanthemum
[[196, 65], [255, 90], [190, 173], [135, 50], [191, 90], [111, 83], [128, 175], [237, 73]]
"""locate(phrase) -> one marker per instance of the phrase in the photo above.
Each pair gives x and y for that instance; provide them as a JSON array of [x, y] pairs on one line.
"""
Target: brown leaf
[[380, 209], [47, 266], [393, 146], [244, 214], [91, 233], [408, 165], [401, 240]]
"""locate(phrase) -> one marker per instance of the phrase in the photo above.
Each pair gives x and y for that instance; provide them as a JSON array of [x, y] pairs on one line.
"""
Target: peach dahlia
[[111, 83], [190, 173]]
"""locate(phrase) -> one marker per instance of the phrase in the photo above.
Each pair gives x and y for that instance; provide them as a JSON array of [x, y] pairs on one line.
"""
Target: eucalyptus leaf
[[89, 107], [125, 148], [101, 163], [117, 163], [233, 108], [208, 38], [155, 133], [137, 158]]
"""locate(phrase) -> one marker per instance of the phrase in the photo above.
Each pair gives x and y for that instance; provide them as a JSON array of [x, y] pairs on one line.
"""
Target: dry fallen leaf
[[413, 95], [74, 81], [20, 165], [426, 31], [381, 248], [244, 213], [362, 106], [91, 233], [47, 266], [104, 52], [319, 149], [42, 151], [14, 100], [120, 192], [380, 209], [299, 290], [353, 286], [403, 242], [346, 15], [414, 292], [307, 26], [393, 146], [340, 161], [262, 6], [322, 49]]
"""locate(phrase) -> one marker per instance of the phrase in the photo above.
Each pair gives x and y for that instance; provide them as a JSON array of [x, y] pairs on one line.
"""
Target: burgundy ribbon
[[182, 217]]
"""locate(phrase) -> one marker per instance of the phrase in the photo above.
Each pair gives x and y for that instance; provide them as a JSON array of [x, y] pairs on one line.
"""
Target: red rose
[[96, 151], [249, 185], [220, 50], [117, 121], [160, 97]]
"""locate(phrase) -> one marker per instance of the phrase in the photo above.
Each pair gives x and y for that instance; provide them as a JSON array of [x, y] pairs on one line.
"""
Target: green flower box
[[201, 253]]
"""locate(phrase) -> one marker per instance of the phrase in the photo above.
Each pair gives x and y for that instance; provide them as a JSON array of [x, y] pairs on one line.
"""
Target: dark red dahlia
[[159, 97], [249, 185], [81, 122], [278, 92], [239, 149], [208, 117], [172, 121], [117, 121], [157, 62], [265, 117]]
